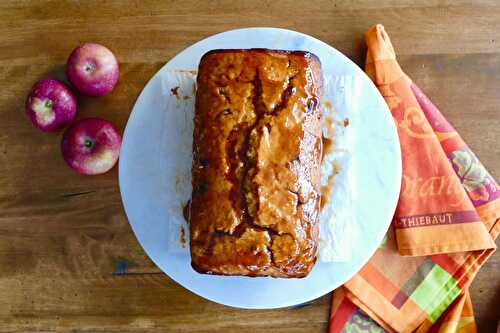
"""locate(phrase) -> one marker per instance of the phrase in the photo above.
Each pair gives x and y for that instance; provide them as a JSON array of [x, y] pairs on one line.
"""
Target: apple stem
[[89, 67], [88, 143], [48, 103]]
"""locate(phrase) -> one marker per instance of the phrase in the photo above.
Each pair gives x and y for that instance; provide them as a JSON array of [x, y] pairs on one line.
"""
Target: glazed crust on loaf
[[256, 163]]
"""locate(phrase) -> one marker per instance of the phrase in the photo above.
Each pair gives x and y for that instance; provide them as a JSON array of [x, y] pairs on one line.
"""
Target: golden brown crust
[[256, 163]]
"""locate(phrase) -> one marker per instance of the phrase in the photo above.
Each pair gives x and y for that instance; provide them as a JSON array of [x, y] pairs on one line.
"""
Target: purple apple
[[50, 105], [92, 69], [91, 146]]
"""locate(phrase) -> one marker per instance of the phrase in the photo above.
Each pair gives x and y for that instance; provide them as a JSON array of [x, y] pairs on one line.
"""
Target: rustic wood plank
[[46, 31], [68, 258], [141, 302]]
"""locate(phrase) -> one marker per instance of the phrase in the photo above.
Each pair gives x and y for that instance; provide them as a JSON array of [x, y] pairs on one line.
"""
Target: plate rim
[[382, 103]]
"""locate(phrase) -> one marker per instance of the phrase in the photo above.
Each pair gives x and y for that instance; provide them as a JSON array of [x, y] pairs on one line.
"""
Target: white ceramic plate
[[148, 158]]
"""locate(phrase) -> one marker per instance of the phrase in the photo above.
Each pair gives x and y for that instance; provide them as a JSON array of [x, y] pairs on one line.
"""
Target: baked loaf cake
[[257, 151]]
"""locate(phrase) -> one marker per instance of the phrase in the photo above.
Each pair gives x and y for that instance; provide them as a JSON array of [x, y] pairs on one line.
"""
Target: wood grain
[[68, 258]]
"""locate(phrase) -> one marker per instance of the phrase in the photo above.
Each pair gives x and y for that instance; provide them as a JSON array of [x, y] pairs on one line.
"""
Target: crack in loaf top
[[256, 163]]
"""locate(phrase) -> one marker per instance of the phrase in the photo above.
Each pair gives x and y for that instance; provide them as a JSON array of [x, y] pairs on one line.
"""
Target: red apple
[[92, 69], [91, 146], [51, 105]]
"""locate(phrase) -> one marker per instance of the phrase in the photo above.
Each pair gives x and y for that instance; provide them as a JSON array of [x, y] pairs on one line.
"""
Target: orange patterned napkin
[[444, 226]]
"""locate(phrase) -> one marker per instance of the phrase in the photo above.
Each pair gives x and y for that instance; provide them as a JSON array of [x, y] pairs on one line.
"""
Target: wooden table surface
[[68, 258]]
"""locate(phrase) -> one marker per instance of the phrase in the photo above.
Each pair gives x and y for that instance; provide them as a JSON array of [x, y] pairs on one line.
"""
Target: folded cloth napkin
[[444, 226]]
